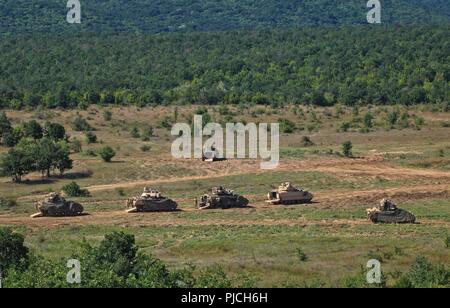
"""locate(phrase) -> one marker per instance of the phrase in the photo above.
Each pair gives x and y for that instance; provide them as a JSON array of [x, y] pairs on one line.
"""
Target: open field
[[408, 162]]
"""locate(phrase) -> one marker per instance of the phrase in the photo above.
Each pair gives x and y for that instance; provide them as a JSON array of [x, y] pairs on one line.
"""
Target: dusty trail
[[433, 185], [367, 166]]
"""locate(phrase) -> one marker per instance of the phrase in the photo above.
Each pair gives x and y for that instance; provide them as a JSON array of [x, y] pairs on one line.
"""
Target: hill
[[359, 64], [24, 16]]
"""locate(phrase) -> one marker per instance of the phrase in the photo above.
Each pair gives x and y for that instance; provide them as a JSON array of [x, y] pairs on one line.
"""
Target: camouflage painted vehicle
[[221, 198], [151, 200], [288, 194], [388, 213], [56, 206]]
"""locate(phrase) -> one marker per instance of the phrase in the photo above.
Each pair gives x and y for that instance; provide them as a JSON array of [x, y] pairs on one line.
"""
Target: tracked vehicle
[[151, 200], [56, 206], [388, 213], [221, 198], [287, 194]]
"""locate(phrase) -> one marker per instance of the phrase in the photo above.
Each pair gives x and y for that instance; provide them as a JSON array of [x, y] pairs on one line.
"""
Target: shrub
[[74, 190], [424, 274], [306, 142], [135, 132], [107, 115], [107, 154], [79, 124], [347, 148], [286, 126], [7, 202], [76, 146], [13, 253], [91, 137], [301, 255], [145, 148], [447, 242]]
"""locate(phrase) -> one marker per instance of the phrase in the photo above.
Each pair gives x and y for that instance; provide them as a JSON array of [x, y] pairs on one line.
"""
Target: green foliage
[[368, 120], [239, 67], [107, 153], [7, 203], [90, 137], [447, 242], [301, 255], [55, 131], [287, 126], [424, 274], [5, 127], [13, 253], [16, 164], [80, 124], [33, 130], [76, 146], [74, 190], [107, 115], [347, 149], [135, 132], [145, 148]]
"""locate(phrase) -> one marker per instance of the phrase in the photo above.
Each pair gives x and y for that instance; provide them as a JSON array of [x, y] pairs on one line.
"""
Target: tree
[[13, 253], [54, 131], [16, 164], [347, 149], [46, 157], [368, 120], [91, 137], [5, 126], [107, 154], [79, 124], [74, 190], [33, 130], [62, 158]]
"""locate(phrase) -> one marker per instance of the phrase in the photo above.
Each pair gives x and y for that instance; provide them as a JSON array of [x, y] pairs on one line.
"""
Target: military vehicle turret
[[56, 206], [288, 194], [212, 155], [388, 213], [221, 198], [151, 200]]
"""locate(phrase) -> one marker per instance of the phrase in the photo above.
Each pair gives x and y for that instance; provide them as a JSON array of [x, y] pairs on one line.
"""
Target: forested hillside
[[320, 66], [25, 16]]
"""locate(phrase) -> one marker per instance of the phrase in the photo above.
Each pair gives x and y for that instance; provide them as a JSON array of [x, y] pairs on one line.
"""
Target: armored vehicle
[[221, 198], [288, 194], [56, 206], [212, 155], [151, 200], [388, 213]]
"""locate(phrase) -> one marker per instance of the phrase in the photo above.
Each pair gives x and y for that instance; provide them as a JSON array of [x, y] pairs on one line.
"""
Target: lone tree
[[347, 148], [107, 154]]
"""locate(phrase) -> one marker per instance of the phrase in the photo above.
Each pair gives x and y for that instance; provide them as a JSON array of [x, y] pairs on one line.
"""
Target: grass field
[[408, 162]]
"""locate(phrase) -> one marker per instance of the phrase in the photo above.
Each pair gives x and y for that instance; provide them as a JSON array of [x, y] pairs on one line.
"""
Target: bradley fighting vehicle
[[221, 198], [388, 213], [150, 201], [56, 206], [287, 194]]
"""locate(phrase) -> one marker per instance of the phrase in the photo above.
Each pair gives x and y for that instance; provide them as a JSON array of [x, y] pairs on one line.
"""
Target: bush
[[13, 253], [79, 124], [447, 242], [347, 149], [424, 274], [74, 190], [301, 255], [306, 142], [107, 115], [145, 148], [91, 137], [76, 146], [7, 203], [107, 154], [286, 126]]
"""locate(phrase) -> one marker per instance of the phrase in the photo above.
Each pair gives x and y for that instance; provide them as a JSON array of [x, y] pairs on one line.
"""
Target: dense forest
[[137, 16], [350, 65]]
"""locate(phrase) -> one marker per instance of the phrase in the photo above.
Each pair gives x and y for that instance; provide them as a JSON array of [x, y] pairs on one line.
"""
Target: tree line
[[350, 65], [154, 16]]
